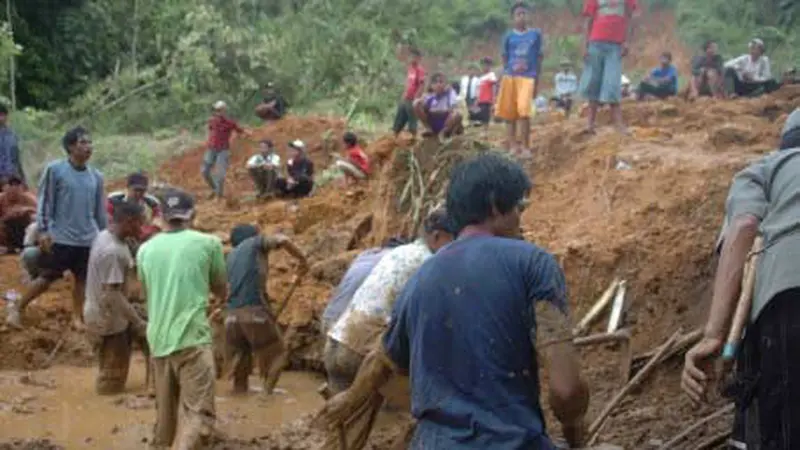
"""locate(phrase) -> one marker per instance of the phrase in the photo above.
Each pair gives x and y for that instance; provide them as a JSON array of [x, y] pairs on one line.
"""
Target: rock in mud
[[30, 444]]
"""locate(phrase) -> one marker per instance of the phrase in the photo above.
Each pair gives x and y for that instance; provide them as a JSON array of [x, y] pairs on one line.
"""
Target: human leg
[[422, 116], [52, 265], [209, 160], [257, 175], [591, 81], [29, 260], [237, 354], [78, 265], [400, 119], [114, 354], [195, 372], [524, 88], [223, 159], [167, 390], [611, 89], [408, 105]]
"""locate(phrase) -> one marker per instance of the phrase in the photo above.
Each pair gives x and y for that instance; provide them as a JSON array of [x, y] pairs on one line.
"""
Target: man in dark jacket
[[299, 180], [10, 160]]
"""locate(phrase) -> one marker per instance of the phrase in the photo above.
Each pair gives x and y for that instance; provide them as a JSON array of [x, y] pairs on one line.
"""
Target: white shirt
[[369, 312], [469, 87], [759, 70], [258, 160], [566, 83]]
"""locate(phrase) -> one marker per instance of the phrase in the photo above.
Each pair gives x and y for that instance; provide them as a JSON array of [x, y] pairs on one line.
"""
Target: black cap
[[178, 205], [137, 180]]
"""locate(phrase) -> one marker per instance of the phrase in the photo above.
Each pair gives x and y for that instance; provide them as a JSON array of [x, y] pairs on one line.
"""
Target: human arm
[[765, 72], [46, 206], [589, 11], [746, 206], [100, 216], [118, 273], [736, 63], [630, 8], [280, 241]]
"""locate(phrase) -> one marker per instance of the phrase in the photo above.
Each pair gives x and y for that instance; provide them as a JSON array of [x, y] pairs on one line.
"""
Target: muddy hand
[[698, 371], [334, 412]]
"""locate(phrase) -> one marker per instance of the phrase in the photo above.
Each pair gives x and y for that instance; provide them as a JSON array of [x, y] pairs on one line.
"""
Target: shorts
[[515, 99], [405, 115], [62, 258], [601, 80], [250, 333], [350, 169], [483, 115]]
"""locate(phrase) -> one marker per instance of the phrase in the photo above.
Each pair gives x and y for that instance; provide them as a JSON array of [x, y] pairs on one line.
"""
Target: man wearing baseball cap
[[300, 173], [137, 193], [178, 270], [750, 75], [220, 129]]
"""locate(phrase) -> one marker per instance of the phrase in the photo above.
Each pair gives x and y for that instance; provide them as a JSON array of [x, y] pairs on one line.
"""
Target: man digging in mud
[[110, 317], [467, 326], [365, 319], [71, 212], [178, 269], [762, 199], [251, 330]]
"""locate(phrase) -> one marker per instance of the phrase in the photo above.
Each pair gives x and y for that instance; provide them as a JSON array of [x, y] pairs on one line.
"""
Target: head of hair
[[242, 232], [456, 86], [438, 77], [667, 55], [267, 142], [487, 61], [127, 210], [395, 241], [14, 180], [707, 44], [438, 220], [414, 51], [3, 108], [72, 136], [482, 186], [519, 5], [350, 138]]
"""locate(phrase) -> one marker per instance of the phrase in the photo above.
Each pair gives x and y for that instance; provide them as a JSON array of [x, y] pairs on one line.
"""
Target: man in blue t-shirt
[[662, 81], [467, 326]]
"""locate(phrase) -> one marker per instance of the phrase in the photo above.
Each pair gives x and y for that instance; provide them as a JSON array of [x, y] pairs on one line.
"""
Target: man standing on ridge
[[415, 87], [178, 270], [10, 158], [218, 155], [522, 59], [763, 199], [468, 324], [609, 29], [71, 211]]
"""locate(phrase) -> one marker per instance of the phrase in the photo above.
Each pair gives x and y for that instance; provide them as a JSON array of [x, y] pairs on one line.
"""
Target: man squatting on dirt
[[366, 318], [251, 330], [763, 198], [178, 269], [71, 212], [467, 323], [111, 319]]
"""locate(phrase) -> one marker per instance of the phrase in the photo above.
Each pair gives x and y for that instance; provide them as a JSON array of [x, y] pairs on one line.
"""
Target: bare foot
[[14, 318]]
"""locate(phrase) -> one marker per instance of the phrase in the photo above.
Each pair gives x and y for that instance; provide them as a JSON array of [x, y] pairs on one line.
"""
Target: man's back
[[351, 281], [176, 268], [247, 270], [465, 323]]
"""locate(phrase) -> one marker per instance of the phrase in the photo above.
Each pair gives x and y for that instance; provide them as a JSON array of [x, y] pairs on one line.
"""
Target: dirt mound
[[30, 444]]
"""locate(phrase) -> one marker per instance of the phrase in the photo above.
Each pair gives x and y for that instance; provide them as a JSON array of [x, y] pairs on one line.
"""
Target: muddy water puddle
[[60, 404]]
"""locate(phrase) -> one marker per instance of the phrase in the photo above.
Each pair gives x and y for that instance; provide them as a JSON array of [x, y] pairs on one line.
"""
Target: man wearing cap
[[762, 200], [17, 208], [361, 325], [71, 211], [178, 270], [137, 193], [299, 180], [220, 129], [10, 159], [750, 75], [250, 328], [273, 106]]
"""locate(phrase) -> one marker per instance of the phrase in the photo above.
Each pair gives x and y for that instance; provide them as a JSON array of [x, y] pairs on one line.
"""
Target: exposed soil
[[646, 208]]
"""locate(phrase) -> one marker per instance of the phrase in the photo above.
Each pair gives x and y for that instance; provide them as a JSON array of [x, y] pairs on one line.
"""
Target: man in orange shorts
[[522, 54]]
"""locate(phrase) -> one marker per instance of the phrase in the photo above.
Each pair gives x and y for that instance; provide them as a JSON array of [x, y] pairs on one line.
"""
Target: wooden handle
[[742, 314]]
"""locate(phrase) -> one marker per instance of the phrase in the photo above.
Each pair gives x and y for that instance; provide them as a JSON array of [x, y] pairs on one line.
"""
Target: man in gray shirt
[[764, 199], [111, 319], [71, 211], [10, 159]]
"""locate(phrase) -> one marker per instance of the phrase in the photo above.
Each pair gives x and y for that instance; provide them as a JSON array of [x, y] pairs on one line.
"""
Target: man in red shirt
[[152, 222], [356, 165], [220, 128], [415, 80], [608, 31]]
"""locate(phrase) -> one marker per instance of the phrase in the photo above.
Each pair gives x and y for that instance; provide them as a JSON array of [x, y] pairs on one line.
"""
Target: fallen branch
[[601, 338], [685, 341], [53, 353], [700, 423], [616, 310], [597, 308], [714, 441], [596, 426]]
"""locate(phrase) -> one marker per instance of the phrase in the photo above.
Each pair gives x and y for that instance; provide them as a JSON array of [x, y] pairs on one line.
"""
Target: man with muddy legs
[[707, 71], [111, 320], [762, 199], [608, 31], [251, 329], [70, 213], [468, 324], [359, 328], [178, 270]]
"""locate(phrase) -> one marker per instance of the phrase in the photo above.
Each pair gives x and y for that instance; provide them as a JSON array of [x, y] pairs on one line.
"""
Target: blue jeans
[[602, 73], [218, 159]]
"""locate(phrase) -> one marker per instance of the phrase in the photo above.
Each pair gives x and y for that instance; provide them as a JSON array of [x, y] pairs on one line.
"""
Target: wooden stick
[[616, 310], [718, 413], [686, 341], [292, 288], [625, 361], [714, 441], [594, 428], [742, 314], [597, 308], [601, 338]]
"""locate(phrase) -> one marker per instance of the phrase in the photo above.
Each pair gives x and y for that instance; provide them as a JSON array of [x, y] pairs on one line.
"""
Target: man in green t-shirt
[[178, 270]]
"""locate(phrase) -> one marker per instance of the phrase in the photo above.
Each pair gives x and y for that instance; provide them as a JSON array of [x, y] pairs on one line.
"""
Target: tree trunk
[[135, 38], [12, 70]]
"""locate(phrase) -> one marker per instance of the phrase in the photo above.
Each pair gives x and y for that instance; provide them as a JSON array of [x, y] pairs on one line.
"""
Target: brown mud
[[646, 208]]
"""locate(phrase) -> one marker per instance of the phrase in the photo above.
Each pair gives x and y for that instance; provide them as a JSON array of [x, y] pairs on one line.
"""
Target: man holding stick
[[762, 199], [467, 325]]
